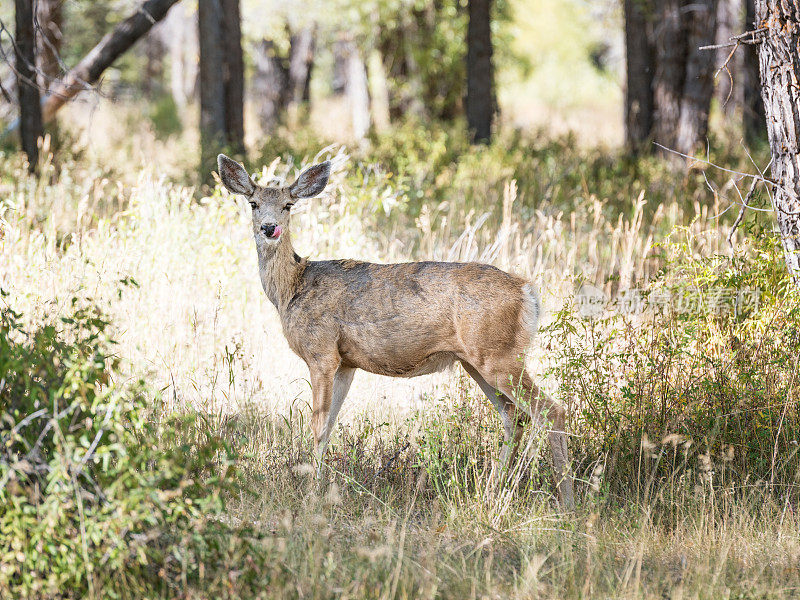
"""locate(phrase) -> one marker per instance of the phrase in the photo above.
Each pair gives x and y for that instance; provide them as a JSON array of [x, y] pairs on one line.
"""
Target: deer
[[400, 320]]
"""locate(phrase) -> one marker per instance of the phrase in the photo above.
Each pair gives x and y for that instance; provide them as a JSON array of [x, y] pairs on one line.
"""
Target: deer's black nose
[[268, 229]]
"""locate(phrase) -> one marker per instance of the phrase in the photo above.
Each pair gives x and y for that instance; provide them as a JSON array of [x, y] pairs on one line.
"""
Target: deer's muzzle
[[272, 231]]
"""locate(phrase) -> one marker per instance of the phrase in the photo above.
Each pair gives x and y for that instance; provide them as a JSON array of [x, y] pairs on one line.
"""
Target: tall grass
[[667, 508]]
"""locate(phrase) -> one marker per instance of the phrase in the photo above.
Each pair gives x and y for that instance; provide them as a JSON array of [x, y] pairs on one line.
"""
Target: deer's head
[[272, 205]]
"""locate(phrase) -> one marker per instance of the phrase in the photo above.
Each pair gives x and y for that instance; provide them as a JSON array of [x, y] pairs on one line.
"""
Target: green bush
[[703, 396], [99, 491]]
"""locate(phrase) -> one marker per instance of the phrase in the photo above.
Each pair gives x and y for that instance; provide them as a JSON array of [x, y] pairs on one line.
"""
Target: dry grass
[[407, 515]]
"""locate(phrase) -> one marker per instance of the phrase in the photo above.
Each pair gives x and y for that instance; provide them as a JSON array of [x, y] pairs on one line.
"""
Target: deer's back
[[404, 319]]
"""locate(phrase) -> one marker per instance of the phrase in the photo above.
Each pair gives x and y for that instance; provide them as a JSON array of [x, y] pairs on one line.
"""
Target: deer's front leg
[[322, 390]]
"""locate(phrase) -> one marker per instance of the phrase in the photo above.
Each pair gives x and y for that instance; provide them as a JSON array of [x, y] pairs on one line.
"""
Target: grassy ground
[[706, 514]]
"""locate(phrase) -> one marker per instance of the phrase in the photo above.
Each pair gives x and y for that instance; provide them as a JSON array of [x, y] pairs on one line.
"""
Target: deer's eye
[[288, 207], [253, 205]]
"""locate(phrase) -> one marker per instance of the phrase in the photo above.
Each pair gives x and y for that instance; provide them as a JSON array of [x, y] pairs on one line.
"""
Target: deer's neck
[[280, 270]]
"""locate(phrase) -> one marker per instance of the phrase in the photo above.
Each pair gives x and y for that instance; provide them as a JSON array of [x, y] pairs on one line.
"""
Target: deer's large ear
[[311, 181], [234, 176]]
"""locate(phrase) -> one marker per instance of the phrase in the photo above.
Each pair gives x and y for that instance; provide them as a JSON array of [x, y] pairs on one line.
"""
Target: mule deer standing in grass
[[400, 320]]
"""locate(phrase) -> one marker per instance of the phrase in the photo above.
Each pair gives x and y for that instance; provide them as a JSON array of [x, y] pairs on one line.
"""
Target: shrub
[[100, 492], [704, 396]]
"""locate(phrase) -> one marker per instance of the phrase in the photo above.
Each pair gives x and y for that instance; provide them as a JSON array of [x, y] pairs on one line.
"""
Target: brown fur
[[399, 320]]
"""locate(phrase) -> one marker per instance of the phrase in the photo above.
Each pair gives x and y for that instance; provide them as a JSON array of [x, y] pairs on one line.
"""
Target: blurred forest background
[[346, 71], [340, 70], [154, 437]]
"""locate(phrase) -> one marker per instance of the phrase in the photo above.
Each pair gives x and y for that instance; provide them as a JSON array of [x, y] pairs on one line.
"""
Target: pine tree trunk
[[639, 74], [301, 60], [212, 83], [780, 72], [30, 109], [480, 99], [670, 42], [233, 72], [270, 85], [683, 83], [698, 84], [754, 121]]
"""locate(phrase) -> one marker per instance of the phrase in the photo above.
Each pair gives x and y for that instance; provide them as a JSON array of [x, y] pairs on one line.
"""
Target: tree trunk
[[340, 52], [698, 85], [49, 38], [234, 75], [103, 55], [639, 74], [154, 63], [683, 83], [670, 42], [729, 23], [480, 75], [357, 92], [754, 121], [221, 81], [780, 72], [270, 85], [378, 91], [301, 61], [27, 88], [180, 36], [212, 84]]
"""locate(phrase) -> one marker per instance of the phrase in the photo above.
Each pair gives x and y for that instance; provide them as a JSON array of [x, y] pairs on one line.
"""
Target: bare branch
[[740, 216], [735, 40]]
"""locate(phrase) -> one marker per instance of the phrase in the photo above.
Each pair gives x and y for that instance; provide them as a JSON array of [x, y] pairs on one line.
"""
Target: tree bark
[[103, 55], [480, 99], [357, 92], [754, 121], [154, 63], [780, 72], [670, 41], [378, 91], [49, 38], [340, 52], [728, 23], [639, 74], [180, 36], [234, 75], [221, 81], [301, 61], [698, 85], [212, 83], [27, 87], [270, 85], [683, 83]]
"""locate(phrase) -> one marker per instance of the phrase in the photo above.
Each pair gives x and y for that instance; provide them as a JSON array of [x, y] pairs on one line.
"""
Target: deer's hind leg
[[329, 388], [510, 377], [513, 421]]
